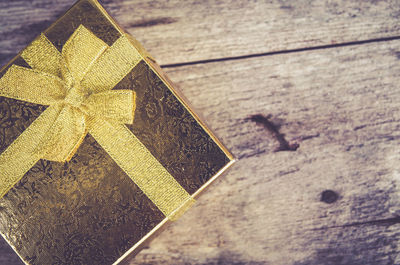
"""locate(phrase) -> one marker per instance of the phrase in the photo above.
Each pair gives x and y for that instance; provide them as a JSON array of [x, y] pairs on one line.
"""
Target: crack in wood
[[153, 22], [380, 222], [284, 145], [307, 49], [374, 124], [308, 137], [256, 153], [350, 147]]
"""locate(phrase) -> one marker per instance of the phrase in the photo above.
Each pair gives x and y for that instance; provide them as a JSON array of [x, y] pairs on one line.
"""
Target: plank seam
[[380, 222], [249, 56]]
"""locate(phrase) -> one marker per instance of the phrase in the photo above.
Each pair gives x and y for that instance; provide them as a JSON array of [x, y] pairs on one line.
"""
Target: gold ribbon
[[76, 84]]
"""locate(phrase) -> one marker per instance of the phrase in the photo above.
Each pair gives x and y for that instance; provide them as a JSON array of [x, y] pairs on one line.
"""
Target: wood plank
[[7, 255], [342, 107], [184, 31]]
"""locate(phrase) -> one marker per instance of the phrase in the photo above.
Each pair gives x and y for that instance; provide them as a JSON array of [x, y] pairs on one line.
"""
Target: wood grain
[[335, 198], [341, 107], [177, 31]]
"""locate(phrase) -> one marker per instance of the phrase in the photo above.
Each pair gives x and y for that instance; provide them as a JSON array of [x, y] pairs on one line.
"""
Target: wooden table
[[305, 93]]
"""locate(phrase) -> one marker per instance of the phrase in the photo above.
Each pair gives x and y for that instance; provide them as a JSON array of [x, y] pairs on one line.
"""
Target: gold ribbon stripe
[[20, 157], [152, 178]]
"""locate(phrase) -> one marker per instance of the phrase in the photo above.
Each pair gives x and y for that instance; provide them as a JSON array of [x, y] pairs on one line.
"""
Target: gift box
[[97, 150]]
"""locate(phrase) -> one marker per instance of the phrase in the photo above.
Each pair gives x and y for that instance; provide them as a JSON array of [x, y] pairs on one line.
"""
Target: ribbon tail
[[112, 66], [142, 167], [82, 50], [20, 156], [32, 86], [42, 56]]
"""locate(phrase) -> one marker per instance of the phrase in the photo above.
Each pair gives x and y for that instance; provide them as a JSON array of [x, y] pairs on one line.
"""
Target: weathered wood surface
[[336, 108], [342, 107], [184, 31]]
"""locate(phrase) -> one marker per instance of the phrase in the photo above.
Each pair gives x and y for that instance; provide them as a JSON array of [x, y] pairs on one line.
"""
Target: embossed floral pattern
[[87, 211]]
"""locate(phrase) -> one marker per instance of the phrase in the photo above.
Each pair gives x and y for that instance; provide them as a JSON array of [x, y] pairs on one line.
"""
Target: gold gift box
[[88, 210]]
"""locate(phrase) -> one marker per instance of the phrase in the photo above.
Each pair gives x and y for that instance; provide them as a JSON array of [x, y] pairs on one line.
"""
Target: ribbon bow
[[76, 84]]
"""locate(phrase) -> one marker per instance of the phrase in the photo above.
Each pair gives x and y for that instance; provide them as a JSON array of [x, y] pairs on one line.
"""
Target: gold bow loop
[[76, 84]]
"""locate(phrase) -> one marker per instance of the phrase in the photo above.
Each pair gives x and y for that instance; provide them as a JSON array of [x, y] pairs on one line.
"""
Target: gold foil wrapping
[[88, 210]]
